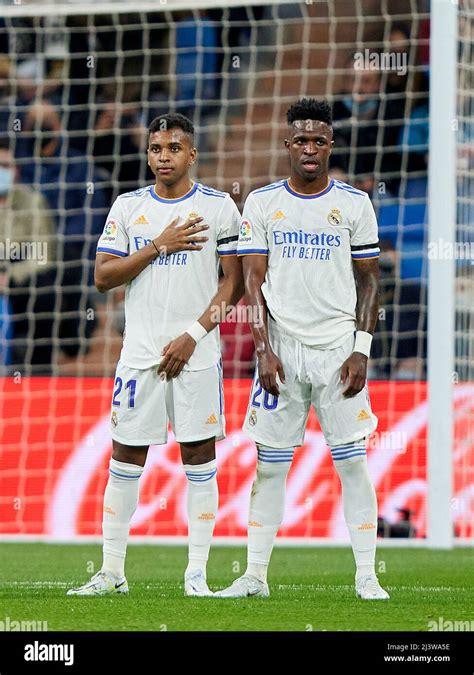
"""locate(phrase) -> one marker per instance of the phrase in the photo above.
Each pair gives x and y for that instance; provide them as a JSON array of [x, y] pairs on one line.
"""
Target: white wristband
[[363, 342], [196, 331]]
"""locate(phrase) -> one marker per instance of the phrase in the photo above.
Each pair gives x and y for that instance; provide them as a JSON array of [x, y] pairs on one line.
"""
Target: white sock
[[202, 509], [120, 502], [359, 502], [267, 505]]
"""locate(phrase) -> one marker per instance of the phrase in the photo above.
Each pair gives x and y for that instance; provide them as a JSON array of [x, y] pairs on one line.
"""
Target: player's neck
[[304, 187], [175, 191]]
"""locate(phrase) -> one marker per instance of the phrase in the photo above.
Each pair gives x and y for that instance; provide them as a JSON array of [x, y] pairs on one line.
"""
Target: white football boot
[[101, 583], [245, 587], [195, 585], [368, 588]]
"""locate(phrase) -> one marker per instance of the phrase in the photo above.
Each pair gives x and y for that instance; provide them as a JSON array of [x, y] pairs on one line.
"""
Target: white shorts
[[313, 376], [143, 405]]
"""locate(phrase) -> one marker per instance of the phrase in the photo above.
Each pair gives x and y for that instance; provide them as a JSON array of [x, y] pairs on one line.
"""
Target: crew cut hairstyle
[[171, 121]]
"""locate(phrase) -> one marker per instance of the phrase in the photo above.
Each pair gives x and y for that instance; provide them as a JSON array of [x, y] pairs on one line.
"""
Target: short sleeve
[[114, 238], [228, 232], [365, 238], [252, 233]]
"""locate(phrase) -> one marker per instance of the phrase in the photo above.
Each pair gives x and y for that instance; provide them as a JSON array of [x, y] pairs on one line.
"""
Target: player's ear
[[192, 156], [287, 144], [331, 147]]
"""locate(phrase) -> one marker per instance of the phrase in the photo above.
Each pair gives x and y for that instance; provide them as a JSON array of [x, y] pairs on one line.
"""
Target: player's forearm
[[114, 272], [230, 292], [258, 315], [367, 300]]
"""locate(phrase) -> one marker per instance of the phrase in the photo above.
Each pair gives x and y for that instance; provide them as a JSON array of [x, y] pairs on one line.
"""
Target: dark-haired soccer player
[[310, 261], [170, 367]]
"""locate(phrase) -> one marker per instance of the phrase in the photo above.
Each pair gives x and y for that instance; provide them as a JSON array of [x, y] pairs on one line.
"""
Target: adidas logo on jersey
[[212, 419], [363, 415], [277, 215], [141, 220]]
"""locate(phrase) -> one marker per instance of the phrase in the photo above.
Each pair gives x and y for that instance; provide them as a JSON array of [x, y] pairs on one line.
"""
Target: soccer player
[[310, 262], [169, 367]]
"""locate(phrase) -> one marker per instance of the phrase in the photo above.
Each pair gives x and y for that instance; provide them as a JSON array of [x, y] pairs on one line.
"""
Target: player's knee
[[129, 454], [198, 452]]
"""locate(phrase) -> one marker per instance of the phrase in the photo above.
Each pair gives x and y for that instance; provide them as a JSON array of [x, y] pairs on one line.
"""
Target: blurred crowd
[[73, 136]]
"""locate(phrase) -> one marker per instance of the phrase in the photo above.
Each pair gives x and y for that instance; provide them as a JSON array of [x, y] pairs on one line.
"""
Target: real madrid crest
[[334, 217], [253, 418], [114, 419]]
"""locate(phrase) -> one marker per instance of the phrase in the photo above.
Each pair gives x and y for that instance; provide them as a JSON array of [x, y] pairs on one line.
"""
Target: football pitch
[[311, 589]]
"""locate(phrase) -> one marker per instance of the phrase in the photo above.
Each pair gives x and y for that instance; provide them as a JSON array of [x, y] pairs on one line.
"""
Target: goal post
[[441, 285]]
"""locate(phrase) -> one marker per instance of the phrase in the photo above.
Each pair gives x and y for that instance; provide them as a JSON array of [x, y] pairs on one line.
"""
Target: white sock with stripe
[[359, 502], [267, 505], [202, 509], [120, 502]]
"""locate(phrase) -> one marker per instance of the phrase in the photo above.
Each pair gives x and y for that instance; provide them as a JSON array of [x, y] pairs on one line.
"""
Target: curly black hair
[[310, 109]]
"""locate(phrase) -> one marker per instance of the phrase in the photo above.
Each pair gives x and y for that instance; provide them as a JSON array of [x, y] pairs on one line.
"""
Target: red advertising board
[[55, 448]]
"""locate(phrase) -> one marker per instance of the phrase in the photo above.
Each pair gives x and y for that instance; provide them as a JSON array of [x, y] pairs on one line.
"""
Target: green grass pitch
[[311, 589]]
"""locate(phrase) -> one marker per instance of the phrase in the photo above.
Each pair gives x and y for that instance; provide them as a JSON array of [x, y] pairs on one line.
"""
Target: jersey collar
[[302, 196], [163, 200]]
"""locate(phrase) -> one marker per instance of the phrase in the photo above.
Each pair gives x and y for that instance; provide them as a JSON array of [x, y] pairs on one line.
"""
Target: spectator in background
[[377, 191], [363, 125], [412, 89], [197, 71], [414, 136], [26, 283], [6, 96], [66, 179], [120, 137], [399, 346]]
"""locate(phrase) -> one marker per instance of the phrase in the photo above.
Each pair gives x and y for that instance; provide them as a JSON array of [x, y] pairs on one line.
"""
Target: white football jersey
[[172, 292], [310, 241]]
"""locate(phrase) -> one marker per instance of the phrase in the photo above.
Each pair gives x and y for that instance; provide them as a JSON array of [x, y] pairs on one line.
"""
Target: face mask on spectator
[[6, 180], [362, 107]]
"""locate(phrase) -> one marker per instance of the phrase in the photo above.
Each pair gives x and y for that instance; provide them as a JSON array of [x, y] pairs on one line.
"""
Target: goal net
[[79, 84]]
